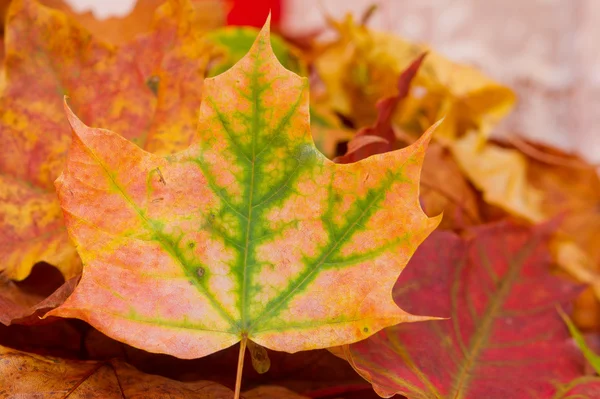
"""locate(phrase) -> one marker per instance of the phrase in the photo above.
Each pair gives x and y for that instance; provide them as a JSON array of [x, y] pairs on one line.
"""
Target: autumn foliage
[[175, 194]]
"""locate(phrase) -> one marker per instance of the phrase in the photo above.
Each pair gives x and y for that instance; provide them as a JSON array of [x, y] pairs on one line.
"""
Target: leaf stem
[[240, 366]]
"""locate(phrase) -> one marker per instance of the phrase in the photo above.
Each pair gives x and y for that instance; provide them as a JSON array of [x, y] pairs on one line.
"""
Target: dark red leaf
[[504, 338]]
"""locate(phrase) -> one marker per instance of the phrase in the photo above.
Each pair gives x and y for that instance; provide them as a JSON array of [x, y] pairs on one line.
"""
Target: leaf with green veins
[[249, 234], [231, 43], [591, 357]]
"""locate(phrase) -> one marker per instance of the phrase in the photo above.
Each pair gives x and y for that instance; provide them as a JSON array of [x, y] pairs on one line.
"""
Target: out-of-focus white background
[[547, 50]]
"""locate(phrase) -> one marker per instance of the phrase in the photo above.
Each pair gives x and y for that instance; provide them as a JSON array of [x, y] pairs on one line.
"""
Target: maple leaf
[[250, 233], [48, 55], [501, 301], [26, 375]]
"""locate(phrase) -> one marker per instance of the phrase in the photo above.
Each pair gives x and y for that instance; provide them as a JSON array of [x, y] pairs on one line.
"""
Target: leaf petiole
[[240, 367]]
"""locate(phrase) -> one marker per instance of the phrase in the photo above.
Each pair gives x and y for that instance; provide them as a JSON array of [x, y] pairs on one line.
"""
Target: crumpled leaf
[[362, 66], [381, 137], [49, 55], [247, 233], [25, 374], [231, 43], [25, 305], [495, 288]]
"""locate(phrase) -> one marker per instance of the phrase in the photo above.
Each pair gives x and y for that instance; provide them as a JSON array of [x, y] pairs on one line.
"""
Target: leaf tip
[[74, 121]]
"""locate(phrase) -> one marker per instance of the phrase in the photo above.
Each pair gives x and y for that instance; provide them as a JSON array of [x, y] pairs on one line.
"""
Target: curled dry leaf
[[250, 233], [504, 338], [49, 55], [19, 306], [381, 137], [29, 375], [362, 66]]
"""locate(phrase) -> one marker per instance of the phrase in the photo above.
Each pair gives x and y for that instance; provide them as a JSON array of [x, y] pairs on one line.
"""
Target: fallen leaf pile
[[176, 194]]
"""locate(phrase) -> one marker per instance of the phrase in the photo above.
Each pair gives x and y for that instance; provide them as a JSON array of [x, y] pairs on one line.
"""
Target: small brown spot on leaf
[[200, 271], [161, 177], [152, 83]]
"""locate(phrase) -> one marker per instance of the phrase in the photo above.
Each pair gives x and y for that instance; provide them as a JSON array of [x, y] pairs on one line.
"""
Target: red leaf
[[504, 338]]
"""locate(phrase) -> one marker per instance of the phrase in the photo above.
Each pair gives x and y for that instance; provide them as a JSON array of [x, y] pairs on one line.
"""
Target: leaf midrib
[[350, 229], [482, 333]]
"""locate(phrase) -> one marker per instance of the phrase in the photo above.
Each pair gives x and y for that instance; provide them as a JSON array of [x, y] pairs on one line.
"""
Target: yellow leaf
[[362, 66]]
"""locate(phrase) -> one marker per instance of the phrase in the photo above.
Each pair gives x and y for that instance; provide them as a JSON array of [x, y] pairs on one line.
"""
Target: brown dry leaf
[[302, 372], [362, 66], [269, 391], [25, 303], [29, 375], [25, 374]]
